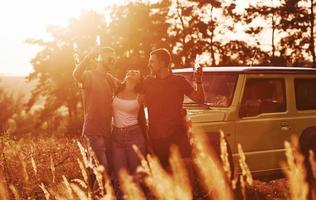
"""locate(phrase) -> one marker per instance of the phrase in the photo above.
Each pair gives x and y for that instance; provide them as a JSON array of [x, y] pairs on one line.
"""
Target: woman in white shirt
[[128, 111]]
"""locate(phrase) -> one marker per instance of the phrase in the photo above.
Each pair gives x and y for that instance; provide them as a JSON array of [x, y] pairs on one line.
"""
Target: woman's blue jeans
[[123, 155]]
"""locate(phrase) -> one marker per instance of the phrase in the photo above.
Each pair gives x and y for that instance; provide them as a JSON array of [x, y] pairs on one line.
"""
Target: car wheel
[[307, 142]]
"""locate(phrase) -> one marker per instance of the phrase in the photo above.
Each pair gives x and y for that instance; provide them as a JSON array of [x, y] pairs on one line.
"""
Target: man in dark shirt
[[98, 87], [164, 95]]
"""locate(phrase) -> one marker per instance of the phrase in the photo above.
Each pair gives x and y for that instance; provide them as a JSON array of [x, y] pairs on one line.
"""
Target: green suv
[[259, 108]]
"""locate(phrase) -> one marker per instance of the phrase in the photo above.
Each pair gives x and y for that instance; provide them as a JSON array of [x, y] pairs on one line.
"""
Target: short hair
[[108, 50], [163, 55]]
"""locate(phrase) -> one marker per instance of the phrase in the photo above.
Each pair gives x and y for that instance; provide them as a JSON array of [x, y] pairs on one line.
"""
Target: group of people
[[114, 117]]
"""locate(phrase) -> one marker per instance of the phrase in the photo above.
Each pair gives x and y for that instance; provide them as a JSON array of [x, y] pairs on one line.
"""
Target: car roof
[[252, 69]]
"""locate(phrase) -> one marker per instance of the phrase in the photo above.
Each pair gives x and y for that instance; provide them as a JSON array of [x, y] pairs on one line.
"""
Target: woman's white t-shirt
[[125, 112]]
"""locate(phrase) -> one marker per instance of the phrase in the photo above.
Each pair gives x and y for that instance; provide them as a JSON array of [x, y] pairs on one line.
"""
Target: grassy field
[[53, 168]]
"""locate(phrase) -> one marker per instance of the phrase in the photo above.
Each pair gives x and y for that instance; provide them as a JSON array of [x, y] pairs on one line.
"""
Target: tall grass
[[312, 161], [3, 187], [224, 155], [295, 171], [245, 177], [165, 185], [46, 175], [131, 189], [45, 191], [14, 192], [209, 169], [52, 168]]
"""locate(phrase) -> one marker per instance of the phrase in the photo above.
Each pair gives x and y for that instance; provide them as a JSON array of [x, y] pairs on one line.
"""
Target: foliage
[[186, 28], [136, 28], [292, 30], [9, 107]]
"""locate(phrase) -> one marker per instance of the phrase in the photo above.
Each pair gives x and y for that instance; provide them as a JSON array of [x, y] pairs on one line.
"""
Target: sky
[[23, 19]]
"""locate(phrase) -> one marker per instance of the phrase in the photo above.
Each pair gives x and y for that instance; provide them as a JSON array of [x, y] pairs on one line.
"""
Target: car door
[[304, 102], [263, 122]]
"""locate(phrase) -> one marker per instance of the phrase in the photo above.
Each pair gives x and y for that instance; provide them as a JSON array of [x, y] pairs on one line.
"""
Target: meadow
[[56, 168]]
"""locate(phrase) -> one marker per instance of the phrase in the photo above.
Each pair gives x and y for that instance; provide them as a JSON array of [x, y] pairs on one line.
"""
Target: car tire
[[307, 142]]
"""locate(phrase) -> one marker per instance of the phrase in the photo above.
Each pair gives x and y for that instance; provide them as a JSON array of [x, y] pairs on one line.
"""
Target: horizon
[[13, 75]]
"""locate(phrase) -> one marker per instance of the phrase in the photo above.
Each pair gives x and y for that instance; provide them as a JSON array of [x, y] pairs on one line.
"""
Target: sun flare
[[21, 20]]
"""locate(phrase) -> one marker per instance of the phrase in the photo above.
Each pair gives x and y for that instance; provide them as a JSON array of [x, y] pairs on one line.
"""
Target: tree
[[270, 12], [135, 29], [290, 21], [53, 67], [192, 30], [9, 106], [240, 51], [298, 22], [200, 27]]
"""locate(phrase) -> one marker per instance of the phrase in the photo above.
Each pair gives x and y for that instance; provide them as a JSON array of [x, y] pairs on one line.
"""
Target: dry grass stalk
[[224, 155], [210, 171], [34, 165], [243, 186], [83, 153], [99, 174], [158, 181], [79, 192], [245, 176], [46, 193], [58, 195], [312, 162], [68, 189], [295, 171], [80, 182], [83, 170], [52, 168], [90, 161], [14, 192], [143, 162], [161, 184], [182, 185], [245, 171], [93, 161], [24, 169], [130, 189], [4, 194], [110, 195]]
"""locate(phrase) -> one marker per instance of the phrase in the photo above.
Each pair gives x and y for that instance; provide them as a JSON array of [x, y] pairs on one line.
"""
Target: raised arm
[[198, 95], [78, 73], [116, 82]]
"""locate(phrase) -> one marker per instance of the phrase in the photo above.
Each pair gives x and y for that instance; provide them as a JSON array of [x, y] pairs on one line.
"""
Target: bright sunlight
[[28, 19]]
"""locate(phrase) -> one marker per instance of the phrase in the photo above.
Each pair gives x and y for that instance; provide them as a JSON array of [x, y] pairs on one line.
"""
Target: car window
[[305, 94], [263, 96], [219, 88]]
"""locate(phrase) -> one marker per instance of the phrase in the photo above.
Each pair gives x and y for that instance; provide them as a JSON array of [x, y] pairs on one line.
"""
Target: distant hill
[[17, 85]]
